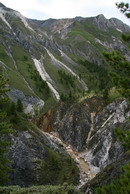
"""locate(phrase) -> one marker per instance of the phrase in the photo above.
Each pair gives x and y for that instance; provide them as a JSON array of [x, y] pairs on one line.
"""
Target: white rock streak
[[67, 58], [4, 65], [92, 127], [105, 151], [119, 30], [62, 65], [2, 16], [40, 68], [13, 13], [107, 119], [59, 63], [14, 62], [23, 19]]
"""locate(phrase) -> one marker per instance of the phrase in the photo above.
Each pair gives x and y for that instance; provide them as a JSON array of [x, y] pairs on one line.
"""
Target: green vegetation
[[70, 82], [66, 83], [17, 81], [27, 69], [97, 76], [120, 73], [114, 94], [6, 59], [42, 86], [19, 106], [67, 79], [69, 97], [88, 30], [57, 169], [17, 22], [16, 117], [123, 136], [59, 189], [119, 186], [5, 129], [26, 73], [54, 169], [120, 76], [124, 8]]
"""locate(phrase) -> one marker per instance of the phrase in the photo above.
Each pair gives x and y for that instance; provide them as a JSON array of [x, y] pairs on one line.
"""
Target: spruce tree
[[19, 106], [5, 129], [120, 74]]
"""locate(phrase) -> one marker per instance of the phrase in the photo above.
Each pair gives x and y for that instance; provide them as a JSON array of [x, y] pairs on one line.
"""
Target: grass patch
[[114, 94], [27, 69], [48, 189], [53, 71], [5, 58], [16, 81]]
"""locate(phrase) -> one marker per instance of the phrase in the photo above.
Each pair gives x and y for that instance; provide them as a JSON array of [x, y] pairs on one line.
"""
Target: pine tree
[[124, 8], [120, 74], [12, 108], [5, 128], [121, 79], [19, 106]]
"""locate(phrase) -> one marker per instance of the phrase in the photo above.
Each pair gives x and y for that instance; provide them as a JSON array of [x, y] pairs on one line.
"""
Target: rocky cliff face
[[72, 123], [26, 151], [102, 147], [36, 159], [85, 130], [111, 172], [30, 103], [90, 130]]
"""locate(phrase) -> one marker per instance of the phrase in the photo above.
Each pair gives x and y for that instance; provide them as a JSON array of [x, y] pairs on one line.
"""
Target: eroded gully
[[86, 173]]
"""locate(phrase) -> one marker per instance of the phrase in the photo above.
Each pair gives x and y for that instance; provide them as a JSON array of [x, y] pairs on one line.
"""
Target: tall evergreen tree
[[5, 128], [19, 106], [120, 74]]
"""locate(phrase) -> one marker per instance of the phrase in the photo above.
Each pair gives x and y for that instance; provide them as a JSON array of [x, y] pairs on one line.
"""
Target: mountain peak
[[101, 17], [1, 5]]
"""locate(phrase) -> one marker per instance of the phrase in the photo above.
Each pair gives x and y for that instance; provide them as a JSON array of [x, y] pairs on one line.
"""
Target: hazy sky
[[44, 9]]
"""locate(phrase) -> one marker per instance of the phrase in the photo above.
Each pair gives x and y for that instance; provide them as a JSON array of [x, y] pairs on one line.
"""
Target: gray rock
[[27, 151], [103, 147], [30, 103], [72, 122], [95, 138]]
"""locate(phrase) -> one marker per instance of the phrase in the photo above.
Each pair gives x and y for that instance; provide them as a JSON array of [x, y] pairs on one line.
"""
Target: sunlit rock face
[[103, 147]]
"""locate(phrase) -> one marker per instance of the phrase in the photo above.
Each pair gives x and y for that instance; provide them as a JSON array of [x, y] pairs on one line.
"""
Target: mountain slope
[[53, 60], [43, 58]]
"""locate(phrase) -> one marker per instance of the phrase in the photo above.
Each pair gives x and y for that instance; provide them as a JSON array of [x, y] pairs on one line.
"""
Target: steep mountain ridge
[[34, 52]]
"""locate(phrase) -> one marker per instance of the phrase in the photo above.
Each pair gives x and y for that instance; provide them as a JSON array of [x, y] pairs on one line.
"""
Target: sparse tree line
[[67, 79], [41, 85], [97, 76]]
